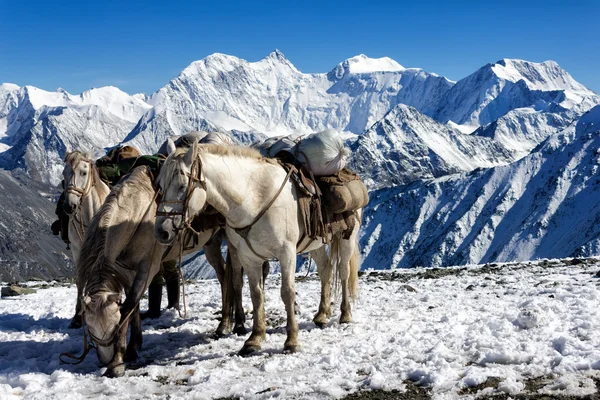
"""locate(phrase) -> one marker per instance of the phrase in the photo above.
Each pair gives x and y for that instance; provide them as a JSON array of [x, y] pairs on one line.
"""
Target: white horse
[[260, 205], [85, 193]]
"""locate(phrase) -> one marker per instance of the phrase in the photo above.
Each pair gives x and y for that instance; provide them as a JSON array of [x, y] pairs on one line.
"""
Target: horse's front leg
[[135, 339], [254, 272], [288, 295], [212, 251], [236, 274], [76, 320], [116, 368], [325, 271]]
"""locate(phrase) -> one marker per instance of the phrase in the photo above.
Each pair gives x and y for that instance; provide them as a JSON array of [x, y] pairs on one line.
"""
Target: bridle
[[91, 341], [82, 194], [195, 177]]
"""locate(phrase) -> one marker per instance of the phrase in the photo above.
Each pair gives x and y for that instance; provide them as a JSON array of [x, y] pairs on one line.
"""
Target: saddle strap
[[245, 231]]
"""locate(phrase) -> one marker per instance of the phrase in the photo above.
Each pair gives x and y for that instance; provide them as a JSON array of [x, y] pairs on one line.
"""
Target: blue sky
[[140, 45]]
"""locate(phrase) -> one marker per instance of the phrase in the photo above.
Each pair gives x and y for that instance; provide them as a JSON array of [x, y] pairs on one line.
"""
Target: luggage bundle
[[343, 191], [324, 155]]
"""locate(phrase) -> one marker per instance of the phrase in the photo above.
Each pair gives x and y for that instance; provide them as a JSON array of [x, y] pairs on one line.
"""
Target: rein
[[87, 346], [82, 193]]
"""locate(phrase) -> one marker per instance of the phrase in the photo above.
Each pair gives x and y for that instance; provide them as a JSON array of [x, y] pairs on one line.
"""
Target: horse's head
[[102, 315], [183, 187], [78, 178]]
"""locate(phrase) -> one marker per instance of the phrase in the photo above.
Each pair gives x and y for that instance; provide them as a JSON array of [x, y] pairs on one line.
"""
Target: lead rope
[[181, 277], [87, 346]]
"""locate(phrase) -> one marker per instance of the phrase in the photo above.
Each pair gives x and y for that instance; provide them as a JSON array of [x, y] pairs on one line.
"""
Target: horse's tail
[[335, 259]]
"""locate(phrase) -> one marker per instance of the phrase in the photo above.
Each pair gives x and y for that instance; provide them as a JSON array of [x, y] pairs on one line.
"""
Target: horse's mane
[[92, 268], [74, 157], [169, 167]]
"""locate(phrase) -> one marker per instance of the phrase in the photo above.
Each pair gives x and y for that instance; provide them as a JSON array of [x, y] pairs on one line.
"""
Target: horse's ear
[[170, 146], [189, 156], [67, 154]]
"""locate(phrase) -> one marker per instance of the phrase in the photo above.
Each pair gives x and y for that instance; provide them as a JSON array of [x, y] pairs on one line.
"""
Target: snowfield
[[460, 332]]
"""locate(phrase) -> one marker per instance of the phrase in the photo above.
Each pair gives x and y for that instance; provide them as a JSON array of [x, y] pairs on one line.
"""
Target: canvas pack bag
[[343, 191]]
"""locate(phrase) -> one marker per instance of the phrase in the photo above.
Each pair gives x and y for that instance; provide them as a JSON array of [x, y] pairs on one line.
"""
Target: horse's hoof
[[249, 350], [115, 372], [219, 334], [240, 330], [290, 348], [346, 319], [75, 323], [320, 324]]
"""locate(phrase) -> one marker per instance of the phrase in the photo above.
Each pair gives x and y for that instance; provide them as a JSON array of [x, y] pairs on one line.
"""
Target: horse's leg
[[288, 295], [212, 251], [348, 273], [254, 272], [236, 278], [76, 320], [135, 338], [116, 368], [138, 287], [325, 271]]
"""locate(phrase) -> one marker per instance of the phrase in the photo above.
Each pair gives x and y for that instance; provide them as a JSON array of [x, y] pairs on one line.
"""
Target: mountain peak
[[9, 87], [277, 55], [361, 64], [547, 75]]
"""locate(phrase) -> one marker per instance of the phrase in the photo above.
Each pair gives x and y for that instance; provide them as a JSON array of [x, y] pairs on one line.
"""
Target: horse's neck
[[239, 187], [93, 201]]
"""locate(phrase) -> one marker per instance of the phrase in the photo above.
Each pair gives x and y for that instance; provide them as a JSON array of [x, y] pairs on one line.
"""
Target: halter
[[195, 176], [82, 193]]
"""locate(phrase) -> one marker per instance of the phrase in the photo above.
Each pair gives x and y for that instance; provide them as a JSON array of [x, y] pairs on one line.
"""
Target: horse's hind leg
[[288, 295], [325, 272], [135, 339], [348, 272]]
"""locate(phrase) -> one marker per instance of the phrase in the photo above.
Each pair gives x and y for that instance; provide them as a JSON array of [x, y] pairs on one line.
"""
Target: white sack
[[323, 152]]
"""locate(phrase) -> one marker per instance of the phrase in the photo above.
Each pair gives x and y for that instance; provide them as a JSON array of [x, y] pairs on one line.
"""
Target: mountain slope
[[406, 146], [27, 247], [544, 205]]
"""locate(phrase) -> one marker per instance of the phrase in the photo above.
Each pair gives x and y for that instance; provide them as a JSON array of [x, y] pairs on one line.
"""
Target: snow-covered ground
[[447, 330]]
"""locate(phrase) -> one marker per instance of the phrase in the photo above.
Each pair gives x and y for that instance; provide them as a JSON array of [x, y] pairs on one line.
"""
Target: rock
[[408, 288], [15, 290]]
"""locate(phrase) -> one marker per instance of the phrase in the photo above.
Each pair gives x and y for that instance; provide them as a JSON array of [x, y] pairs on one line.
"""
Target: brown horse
[[120, 255]]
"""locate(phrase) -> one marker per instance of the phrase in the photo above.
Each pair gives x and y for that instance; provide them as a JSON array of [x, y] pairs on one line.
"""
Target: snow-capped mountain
[[544, 205], [495, 89], [271, 96], [38, 127], [515, 103], [406, 145]]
